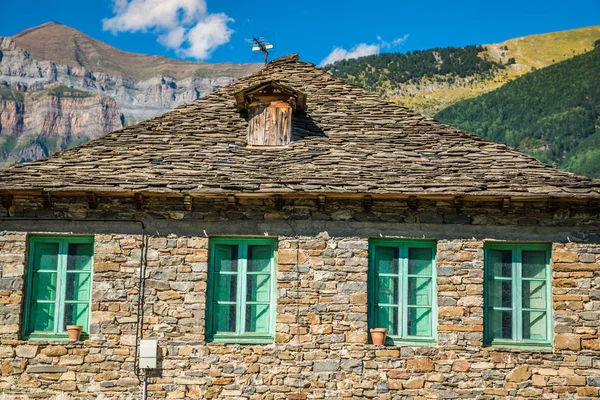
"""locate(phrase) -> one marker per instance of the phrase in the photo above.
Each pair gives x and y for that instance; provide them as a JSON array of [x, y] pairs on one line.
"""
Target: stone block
[[326, 366], [27, 351], [567, 342], [414, 383], [422, 364], [54, 351], [519, 374]]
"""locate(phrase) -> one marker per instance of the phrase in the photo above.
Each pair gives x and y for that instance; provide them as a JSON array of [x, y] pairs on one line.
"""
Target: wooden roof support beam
[[412, 202], [231, 202], [278, 202], [46, 200], [321, 202], [457, 204], [139, 200], [7, 200], [367, 203], [92, 199], [188, 203]]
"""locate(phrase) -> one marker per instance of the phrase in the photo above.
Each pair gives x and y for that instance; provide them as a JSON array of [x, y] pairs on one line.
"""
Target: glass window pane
[[259, 258], [45, 256], [258, 287], [386, 260], [76, 314], [419, 291], [225, 287], [534, 264], [257, 318], [387, 290], [224, 317], [534, 325], [419, 261], [78, 286], [43, 286], [80, 256], [534, 294], [500, 263], [226, 257], [499, 324], [387, 317], [419, 322], [499, 293], [41, 317]]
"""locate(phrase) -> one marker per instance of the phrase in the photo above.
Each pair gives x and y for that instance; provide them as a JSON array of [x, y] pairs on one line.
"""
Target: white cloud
[[182, 25], [361, 50]]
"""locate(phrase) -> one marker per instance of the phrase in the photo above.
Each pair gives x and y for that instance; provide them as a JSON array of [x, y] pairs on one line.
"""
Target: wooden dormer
[[270, 107]]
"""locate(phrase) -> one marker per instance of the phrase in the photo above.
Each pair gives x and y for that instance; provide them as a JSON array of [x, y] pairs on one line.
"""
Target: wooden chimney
[[270, 107]]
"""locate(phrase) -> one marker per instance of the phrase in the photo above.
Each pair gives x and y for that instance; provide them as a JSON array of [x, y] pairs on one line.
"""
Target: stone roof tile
[[349, 141]]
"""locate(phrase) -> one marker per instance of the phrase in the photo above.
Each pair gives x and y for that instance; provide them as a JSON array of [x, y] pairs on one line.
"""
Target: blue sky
[[215, 30]]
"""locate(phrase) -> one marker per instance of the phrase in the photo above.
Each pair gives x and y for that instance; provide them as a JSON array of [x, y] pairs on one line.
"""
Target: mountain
[[552, 113], [431, 80], [67, 46], [60, 88]]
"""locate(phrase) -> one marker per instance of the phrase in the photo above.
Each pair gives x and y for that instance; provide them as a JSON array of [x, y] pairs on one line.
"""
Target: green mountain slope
[[552, 113]]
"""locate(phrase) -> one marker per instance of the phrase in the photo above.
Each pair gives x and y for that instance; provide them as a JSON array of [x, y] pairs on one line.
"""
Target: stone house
[[258, 233]]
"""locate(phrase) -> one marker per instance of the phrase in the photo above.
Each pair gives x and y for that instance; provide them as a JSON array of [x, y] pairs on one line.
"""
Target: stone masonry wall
[[321, 348]]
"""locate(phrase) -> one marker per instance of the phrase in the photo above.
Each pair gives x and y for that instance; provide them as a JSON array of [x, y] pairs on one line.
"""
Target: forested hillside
[[552, 113], [378, 72], [430, 80]]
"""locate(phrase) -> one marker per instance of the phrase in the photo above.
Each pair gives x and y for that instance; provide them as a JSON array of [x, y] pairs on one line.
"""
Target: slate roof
[[349, 141]]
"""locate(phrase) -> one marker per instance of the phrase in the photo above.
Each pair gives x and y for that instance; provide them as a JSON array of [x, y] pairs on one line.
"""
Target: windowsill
[[410, 342], [241, 339], [39, 337], [513, 346]]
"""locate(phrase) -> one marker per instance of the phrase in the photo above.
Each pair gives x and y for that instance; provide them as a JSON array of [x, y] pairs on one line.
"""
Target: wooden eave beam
[[585, 201]]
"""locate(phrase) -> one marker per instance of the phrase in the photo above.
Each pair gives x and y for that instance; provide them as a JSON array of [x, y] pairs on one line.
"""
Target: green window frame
[[402, 290], [518, 295], [59, 285], [242, 290]]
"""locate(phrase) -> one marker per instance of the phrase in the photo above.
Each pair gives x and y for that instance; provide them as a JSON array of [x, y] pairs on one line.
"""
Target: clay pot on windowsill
[[74, 332], [378, 335]]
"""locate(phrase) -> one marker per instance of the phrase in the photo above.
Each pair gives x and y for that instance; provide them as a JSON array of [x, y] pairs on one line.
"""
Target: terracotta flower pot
[[378, 335], [74, 332]]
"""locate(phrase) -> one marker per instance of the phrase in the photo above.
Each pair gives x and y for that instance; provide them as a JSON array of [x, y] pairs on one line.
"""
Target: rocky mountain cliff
[[60, 88]]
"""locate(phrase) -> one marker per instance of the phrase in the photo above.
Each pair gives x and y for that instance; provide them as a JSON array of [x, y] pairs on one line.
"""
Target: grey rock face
[[111, 102]]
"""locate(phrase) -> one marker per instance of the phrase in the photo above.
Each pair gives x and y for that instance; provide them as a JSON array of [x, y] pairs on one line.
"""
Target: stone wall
[[321, 348]]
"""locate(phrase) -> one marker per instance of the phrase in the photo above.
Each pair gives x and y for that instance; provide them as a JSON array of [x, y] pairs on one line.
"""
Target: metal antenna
[[260, 44]]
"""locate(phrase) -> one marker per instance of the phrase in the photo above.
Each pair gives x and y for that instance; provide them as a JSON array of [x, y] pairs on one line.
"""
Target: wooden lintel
[[187, 202], [321, 202], [506, 203], [92, 199], [278, 202], [7, 200], [412, 202], [46, 200], [367, 203], [139, 200], [457, 203]]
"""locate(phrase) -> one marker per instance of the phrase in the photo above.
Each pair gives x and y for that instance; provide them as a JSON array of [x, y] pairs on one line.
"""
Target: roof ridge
[[290, 58]]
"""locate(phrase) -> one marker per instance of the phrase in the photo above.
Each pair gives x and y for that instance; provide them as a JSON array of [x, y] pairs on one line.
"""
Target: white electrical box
[[148, 354]]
